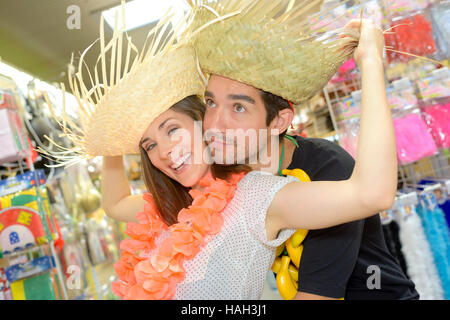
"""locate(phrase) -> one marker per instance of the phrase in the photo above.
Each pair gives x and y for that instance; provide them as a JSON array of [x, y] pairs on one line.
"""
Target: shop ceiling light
[[139, 13]]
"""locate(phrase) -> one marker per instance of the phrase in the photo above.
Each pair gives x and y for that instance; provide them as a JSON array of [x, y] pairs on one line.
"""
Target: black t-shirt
[[344, 261]]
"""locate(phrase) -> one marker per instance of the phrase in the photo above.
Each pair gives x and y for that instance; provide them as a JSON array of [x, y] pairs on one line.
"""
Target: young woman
[[221, 247]]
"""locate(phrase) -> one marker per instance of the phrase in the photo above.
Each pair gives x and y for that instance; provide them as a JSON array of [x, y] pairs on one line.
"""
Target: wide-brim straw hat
[[121, 103], [270, 44]]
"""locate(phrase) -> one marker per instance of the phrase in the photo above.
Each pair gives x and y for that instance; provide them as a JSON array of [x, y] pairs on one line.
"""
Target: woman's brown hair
[[169, 195]]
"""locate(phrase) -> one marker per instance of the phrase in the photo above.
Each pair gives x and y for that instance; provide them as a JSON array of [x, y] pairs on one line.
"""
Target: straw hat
[[119, 106], [269, 45], [259, 42]]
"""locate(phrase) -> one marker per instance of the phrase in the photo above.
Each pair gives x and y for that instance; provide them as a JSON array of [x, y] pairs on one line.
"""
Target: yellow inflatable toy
[[288, 255]]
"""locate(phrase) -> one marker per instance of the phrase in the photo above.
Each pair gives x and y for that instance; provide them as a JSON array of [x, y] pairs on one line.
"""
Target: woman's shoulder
[[262, 180]]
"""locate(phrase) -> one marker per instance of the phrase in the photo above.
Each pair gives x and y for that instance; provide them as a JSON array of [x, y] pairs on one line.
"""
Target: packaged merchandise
[[5, 289], [413, 140], [437, 232], [437, 118], [347, 71], [349, 107], [435, 86], [442, 194], [401, 94], [25, 217], [30, 268], [440, 18], [413, 35], [349, 130], [344, 12], [12, 135], [418, 255], [40, 287]]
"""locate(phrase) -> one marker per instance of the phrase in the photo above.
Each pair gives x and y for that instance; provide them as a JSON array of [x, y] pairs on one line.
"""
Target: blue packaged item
[[29, 268], [437, 233], [442, 195]]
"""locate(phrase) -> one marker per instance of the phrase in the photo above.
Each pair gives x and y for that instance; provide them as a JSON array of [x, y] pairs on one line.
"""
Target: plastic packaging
[[349, 130], [418, 255], [25, 219], [413, 35], [435, 86], [414, 142], [401, 94], [13, 140], [440, 19], [437, 233], [437, 118]]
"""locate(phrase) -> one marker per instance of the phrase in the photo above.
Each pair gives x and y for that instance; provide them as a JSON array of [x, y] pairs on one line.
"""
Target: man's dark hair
[[273, 105]]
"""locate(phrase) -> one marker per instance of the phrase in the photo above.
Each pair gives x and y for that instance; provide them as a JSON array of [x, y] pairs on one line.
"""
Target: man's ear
[[283, 120]]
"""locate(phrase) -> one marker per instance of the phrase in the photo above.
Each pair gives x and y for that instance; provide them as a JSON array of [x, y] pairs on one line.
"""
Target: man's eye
[[210, 103], [238, 107]]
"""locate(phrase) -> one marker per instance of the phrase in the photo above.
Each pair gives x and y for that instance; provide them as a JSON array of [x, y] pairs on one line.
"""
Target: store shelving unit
[[47, 249]]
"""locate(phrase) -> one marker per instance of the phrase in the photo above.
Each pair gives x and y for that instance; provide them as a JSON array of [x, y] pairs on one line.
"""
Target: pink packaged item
[[349, 131], [13, 140], [414, 142], [437, 118]]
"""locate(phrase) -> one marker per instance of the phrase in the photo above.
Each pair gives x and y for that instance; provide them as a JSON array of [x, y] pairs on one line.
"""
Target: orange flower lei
[[145, 276]]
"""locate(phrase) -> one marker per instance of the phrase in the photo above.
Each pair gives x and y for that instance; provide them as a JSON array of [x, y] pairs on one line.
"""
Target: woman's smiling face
[[169, 143]]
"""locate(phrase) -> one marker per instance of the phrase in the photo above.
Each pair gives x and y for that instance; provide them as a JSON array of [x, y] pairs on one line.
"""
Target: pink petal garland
[[154, 277]]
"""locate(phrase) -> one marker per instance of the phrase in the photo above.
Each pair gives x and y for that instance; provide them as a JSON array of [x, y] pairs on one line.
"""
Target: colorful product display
[[414, 142], [25, 217], [418, 255], [401, 94], [41, 287], [349, 130], [423, 236], [437, 118], [5, 288], [442, 195], [435, 86], [401, 6], [12, 138], [437, 233], [418, 95], [440, 18], [413, 35]]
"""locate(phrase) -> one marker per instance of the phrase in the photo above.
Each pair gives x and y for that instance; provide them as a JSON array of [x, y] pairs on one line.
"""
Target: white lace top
[[234, 264]]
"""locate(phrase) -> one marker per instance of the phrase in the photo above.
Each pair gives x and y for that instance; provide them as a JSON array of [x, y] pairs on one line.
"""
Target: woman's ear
[[283, 120]]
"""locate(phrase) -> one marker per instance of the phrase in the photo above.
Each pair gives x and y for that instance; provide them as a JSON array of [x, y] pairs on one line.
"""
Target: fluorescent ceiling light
[[142, 12]]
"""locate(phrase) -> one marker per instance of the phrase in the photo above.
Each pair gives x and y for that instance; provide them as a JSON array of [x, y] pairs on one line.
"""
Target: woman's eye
[[171, 131], [151, 146], [210, 103], [238, 108]]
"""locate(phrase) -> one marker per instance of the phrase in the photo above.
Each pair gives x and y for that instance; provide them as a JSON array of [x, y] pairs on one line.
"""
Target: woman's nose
[[165, 150]]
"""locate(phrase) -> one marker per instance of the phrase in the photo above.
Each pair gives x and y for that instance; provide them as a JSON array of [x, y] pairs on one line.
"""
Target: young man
[[337, 262], [259, 61]]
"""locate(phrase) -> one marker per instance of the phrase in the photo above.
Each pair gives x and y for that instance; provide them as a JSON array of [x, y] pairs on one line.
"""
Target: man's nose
[[217, 120]]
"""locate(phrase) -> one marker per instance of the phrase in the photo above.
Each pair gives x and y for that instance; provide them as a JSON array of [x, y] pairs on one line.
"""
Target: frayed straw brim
[[121, 104]]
